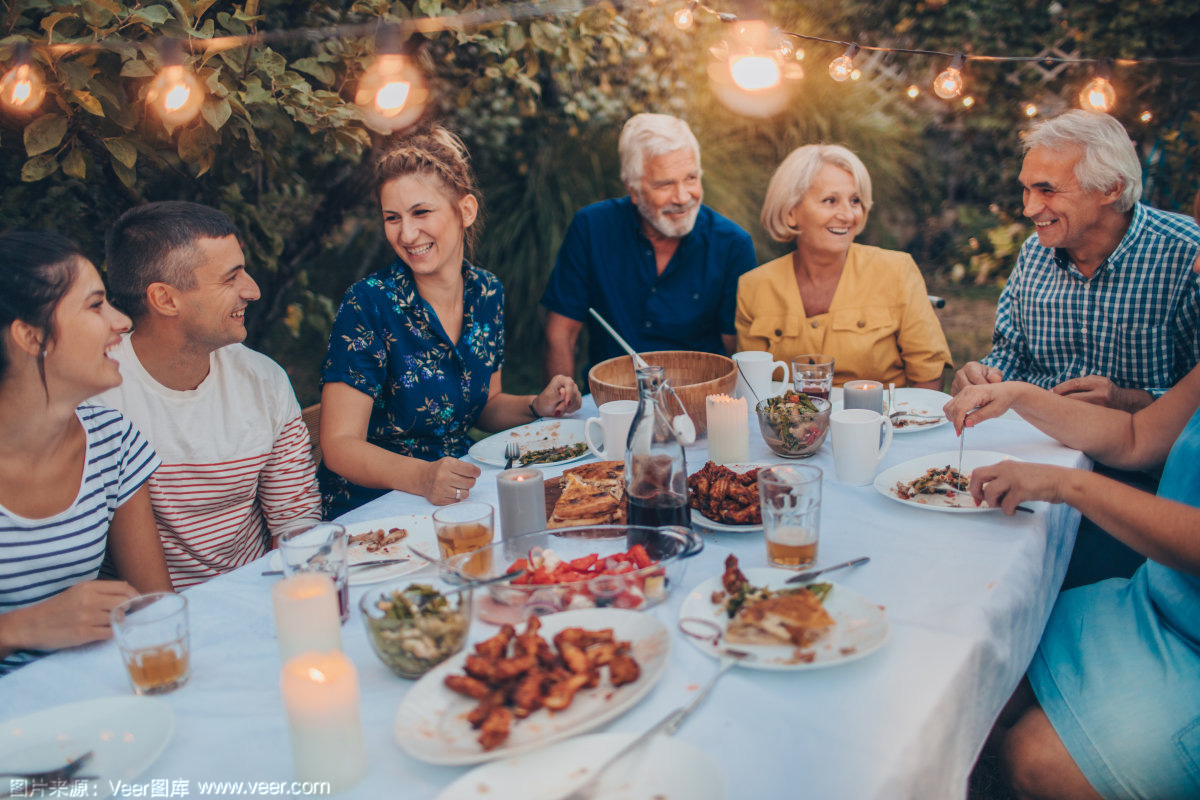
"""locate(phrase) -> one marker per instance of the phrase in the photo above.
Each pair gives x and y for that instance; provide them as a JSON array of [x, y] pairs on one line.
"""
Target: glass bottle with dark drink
[[655, 469]]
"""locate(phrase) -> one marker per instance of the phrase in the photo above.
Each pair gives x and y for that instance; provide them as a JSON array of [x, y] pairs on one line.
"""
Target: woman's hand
[[983, 401], [1006, 484], [449, 480], [75, 616], [561, 396]]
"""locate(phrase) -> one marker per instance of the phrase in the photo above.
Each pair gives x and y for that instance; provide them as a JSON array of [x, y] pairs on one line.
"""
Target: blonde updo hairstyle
[[794, 177], [434, 151]]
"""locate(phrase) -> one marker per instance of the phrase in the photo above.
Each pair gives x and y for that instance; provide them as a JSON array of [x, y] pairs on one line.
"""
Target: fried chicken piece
[[482, 668], [527, 694], [603, 653], [623, 669], [495, 728], [497, 646], [479, 713], [560, 694], [733, 580], [582, 638], [466, 685], [508, 668], [575, 658]]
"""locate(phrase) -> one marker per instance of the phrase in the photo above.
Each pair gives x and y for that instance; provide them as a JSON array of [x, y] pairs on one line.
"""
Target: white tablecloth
[[966, 595]]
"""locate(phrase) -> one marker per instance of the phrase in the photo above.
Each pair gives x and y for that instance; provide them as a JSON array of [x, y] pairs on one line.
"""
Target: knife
[[382, 562], [804, 577]]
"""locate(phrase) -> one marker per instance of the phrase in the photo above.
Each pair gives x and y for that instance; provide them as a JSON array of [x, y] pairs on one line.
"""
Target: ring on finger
[[457, 494]]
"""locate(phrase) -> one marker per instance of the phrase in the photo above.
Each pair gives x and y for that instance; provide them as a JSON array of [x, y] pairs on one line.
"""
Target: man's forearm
[[1131, 400], [560, 359]]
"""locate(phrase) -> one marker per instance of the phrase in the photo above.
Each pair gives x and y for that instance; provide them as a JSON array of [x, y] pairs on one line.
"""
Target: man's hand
[[1100, 391], [973, 374], [448, 480], [561, 396], [1007, 484], [976, 403], [75, 616]]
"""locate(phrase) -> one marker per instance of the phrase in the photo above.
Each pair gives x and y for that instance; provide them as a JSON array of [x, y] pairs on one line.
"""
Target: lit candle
[[863, 394], [306, 614], [522, 502], [320, 693], [728, 429]]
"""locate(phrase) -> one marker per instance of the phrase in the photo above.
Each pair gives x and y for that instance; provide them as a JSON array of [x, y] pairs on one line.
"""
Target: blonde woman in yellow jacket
[[865, 306]]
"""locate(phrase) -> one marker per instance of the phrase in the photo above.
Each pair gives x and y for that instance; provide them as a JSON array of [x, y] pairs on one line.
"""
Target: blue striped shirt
[[41, 557], [1136, 321]]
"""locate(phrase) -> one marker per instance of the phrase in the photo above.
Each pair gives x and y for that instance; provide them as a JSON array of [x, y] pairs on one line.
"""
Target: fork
[[50, 776], [512, 451]]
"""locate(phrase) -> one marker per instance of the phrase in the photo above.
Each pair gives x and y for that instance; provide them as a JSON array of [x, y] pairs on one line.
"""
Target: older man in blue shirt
[[661, 267]]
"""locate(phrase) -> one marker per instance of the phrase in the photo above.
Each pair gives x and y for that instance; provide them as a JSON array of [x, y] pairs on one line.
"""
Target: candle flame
[[316, 675]]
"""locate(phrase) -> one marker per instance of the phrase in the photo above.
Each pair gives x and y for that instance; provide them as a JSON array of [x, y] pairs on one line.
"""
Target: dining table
[[966, 596]]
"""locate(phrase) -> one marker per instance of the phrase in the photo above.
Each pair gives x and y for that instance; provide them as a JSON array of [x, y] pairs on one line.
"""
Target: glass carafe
[[655, 469]]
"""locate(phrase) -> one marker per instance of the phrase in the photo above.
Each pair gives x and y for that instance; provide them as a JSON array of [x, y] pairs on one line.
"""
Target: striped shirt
[[237, 463], [1136, 321], [41, 557]]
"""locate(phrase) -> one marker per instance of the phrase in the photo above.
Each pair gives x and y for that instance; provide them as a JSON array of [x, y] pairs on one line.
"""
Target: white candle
[[306, 614], [320, 693], [728, 429], [863, 394], [522, 502]]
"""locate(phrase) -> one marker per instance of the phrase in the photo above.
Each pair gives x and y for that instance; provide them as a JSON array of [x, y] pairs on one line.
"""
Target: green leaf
[[108, 5], [152, 15], [44, 133], [192, 143], [49, 22], [123, 151], [430, 8], [216, 112], [136, 68], [89, 103], [75, 164], [39, 167], [75, 73], [126, 175], [255, 93], [321, 72]]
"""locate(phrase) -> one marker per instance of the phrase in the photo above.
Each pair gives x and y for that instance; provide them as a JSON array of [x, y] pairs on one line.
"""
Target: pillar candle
[[522, 502], [728, 429], [306, 614], [863, 394], [320, 694]]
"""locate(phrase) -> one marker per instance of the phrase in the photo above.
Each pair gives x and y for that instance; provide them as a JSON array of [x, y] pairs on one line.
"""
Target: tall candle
[[320, 693], [522, 503], [728, 429], [863, 394], [306, 614]]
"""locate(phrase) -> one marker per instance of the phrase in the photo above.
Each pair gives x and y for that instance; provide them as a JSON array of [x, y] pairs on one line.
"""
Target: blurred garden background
[[540, 100]]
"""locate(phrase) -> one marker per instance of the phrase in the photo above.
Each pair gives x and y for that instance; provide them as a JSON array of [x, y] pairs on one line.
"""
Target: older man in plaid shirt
[[1103, 305]]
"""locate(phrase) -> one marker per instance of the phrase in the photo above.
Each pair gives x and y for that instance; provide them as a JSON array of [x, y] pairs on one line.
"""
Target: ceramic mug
[[755, 371], [615, 418], [861, 438]]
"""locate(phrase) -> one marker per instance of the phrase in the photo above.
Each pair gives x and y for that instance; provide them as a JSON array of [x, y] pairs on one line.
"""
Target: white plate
[[919, 401], [420, 533], [431, 723], [861, 627], [540, 435], [667, 768], [885, 482], [701, 521], [125, 734]]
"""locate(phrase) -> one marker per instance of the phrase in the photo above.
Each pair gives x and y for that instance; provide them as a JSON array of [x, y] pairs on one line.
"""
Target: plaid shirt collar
[[1062, 259]]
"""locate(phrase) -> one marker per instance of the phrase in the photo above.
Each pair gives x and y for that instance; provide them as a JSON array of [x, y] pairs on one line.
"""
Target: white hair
[[794, 177], [648, 136], [1108, 155]]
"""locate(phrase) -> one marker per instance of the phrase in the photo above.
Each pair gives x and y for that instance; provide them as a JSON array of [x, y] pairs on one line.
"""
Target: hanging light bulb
[[1146, 116], [856, 74], [752, 70], [949, 84], [175, 94], [1030, 110], [913, 91], [755, 73], [23, 88], [392, 94], [968, 101], [685, 17], [1098, 95], [841, 67]]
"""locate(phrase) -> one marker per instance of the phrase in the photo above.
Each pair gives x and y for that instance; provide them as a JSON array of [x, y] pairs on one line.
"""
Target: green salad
[[417, 628]]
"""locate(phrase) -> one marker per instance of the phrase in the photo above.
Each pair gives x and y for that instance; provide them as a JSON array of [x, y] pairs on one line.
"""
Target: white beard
[[670, 228]]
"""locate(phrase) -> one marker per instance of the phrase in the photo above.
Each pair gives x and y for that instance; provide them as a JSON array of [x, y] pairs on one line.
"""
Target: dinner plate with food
[[724, 498], [545, 680], [920, 410], [386, 541], [547, 441], [780, 626], [935, 483]]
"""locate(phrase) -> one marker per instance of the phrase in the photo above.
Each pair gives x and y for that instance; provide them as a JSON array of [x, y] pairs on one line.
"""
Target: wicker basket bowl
[[693, 376]]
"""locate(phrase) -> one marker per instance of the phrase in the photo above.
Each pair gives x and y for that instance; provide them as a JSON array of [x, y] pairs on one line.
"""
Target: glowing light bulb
[[912, 91], [786, 49], [1098, 95], [1030, 110], [392, 93], [1145, 116], [22, 88], [949, 84], [968, 101], [175, 95], [856, 74], [841, 67], [755, 73], [684, 18]]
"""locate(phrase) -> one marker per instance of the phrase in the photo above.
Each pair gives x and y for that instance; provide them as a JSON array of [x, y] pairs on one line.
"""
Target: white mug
[[615, 418], [857, 450], [755, 371]]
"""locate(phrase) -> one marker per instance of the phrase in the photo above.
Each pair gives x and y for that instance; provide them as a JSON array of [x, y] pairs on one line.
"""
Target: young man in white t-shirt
[[237, 464]]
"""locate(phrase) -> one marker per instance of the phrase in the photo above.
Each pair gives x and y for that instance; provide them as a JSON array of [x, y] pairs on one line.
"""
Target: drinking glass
[[812, 374], [791, 513], [152, 633], [465, 528], [322, 548]]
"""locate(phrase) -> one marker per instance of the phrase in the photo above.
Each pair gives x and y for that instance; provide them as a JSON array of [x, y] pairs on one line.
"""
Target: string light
[[949, 84], [175, 94], [913, 91], [1098, 95], [1146, 116], [1030, 110], [841, 67], [23, 88], [685, 17], [392, 93], [856, 74], [752, 70], [968, 101]]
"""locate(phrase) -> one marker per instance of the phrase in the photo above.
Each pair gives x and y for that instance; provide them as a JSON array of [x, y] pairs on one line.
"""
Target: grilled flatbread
[[796, 619], [594, 495]]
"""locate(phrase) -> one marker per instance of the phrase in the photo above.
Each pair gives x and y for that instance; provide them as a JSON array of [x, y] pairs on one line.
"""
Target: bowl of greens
[[793, 424], [414, 627]]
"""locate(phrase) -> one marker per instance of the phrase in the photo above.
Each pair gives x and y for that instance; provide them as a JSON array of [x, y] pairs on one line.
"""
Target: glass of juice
[[465, 528], [322, 548], [812, 374], [791, 514], [152, 633]]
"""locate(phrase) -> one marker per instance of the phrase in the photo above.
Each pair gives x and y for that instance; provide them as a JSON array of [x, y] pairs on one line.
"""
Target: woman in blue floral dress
[[416, 349]]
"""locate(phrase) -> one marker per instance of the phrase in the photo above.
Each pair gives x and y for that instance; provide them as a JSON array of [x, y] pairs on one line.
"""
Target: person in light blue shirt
[[659, 265]]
